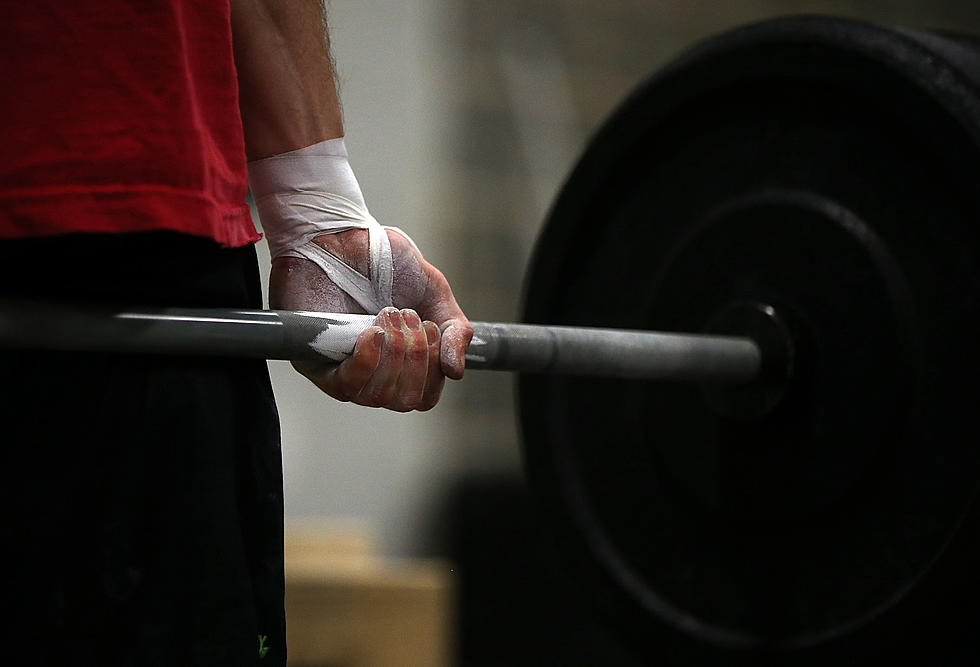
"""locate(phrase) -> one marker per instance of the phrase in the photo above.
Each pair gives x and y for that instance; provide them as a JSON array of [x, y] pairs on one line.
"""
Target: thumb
[[456, 337], [439, 305]]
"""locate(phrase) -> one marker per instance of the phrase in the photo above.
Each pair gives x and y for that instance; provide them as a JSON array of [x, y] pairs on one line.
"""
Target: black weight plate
[[829, 169]]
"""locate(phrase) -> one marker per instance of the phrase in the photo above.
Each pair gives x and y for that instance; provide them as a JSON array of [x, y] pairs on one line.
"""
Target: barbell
[[829, 169], [784, 222], [295, 335]]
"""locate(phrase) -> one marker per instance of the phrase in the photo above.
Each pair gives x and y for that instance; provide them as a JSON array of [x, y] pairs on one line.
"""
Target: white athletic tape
[[312, 191]]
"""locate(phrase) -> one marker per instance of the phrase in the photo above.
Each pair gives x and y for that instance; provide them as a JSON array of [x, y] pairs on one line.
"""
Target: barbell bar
[[298, 335]]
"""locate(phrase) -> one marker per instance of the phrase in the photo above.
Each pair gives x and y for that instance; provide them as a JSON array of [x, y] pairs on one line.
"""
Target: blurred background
[[463, 118]]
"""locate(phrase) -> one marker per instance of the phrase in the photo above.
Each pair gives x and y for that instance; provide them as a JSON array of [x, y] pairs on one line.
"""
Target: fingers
[[395, 364], [379, 390], [415, 363], [345, 381]]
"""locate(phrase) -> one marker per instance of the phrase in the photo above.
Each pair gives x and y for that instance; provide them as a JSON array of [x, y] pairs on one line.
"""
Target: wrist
[[305, 193], [310, 192]]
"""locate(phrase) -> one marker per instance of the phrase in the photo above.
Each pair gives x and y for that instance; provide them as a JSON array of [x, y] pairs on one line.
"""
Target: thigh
[[148, 490]]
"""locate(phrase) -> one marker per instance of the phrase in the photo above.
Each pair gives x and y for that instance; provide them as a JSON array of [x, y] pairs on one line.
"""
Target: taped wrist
[[312, 191]]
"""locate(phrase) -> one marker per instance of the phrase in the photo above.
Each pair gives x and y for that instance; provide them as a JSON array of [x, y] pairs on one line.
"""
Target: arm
[[287, 90], [288, 100]]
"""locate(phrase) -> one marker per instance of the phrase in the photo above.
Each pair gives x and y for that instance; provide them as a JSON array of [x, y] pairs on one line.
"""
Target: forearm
[[287, 93]]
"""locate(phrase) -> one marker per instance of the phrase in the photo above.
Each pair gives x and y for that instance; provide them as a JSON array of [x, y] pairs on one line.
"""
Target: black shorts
[[142, 495]]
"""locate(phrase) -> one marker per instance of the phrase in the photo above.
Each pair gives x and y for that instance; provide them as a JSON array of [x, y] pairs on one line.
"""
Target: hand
[[402, 361]]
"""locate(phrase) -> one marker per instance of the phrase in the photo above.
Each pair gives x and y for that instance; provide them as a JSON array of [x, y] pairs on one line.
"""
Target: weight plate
[[825, 170]]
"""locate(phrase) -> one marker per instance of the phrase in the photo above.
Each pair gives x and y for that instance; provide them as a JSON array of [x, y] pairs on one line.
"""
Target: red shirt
[[120, 116]]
